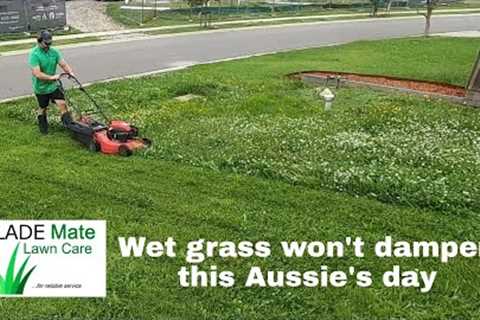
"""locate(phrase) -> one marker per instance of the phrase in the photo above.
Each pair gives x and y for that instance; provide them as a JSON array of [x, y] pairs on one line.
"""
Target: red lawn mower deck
[[106, 136]]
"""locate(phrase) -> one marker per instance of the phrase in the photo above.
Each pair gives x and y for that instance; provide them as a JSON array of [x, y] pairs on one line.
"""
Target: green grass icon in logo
[[14, 284]]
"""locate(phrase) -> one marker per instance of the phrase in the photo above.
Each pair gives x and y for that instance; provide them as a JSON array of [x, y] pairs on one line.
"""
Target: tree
[[204, 14], [430, 5], [375, 5], [192, 4], [197, 3], [389, 6]]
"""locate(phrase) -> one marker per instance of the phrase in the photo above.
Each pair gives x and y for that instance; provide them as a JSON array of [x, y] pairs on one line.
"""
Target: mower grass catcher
[[94, 129]]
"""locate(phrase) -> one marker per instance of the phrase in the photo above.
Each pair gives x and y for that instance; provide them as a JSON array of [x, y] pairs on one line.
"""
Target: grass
[[24, 46], [233, 24], [22, 35], [217, 25], [259, 159], [133, 18]]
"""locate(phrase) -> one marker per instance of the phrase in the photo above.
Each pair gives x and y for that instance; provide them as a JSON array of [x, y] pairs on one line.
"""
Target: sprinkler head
[[328, 96]]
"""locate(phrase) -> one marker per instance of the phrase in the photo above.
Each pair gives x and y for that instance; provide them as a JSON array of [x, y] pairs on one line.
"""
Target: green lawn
[[133, 18], [24, 46], [33, 35], [259, 159], [182, 14]]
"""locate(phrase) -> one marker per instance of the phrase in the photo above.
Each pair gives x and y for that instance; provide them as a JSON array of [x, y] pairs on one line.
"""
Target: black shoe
[[43, 123], [67, 119]]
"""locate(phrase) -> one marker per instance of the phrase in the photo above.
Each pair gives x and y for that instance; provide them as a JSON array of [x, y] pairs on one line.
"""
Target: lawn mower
[[95, 130]]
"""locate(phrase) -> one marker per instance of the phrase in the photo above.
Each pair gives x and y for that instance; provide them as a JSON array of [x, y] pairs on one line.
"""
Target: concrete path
[[461, 34], [89, 16]]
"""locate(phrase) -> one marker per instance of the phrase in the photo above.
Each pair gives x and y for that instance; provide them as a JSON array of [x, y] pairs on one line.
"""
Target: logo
[[52, 258], [15, 283]]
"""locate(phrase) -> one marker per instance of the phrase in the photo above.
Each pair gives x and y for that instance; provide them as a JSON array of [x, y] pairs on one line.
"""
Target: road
[[94, 63]]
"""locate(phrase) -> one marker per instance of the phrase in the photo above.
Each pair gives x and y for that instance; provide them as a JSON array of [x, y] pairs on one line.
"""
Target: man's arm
[[36, 72], [42, 76], [66, 67]]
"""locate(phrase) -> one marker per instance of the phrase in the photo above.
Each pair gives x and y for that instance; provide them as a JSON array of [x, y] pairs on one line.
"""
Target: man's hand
[[66, 68], [54, 77]]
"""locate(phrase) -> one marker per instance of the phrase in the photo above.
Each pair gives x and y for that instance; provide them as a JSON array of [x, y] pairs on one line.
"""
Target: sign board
[[12, 16], [473, 87], [31, 15], [53, 258], [46, 14]]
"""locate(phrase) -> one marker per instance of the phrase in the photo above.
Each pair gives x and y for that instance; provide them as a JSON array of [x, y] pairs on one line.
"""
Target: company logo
[[15, 283], [52, 258]]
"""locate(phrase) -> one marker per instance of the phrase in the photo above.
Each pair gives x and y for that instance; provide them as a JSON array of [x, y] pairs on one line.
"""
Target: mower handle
[[81, 88], [69, 76]]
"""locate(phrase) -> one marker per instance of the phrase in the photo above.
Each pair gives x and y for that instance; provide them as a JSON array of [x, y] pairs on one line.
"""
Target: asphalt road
[[93, 63]]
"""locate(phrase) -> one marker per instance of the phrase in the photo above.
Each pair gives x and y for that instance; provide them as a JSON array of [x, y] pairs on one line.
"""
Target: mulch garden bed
[[426, 87]]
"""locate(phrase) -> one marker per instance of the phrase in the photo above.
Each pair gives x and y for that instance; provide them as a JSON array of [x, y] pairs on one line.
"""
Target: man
[[43, 61]]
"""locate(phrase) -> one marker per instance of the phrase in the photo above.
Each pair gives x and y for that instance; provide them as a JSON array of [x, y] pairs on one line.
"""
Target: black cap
[[45, 36]]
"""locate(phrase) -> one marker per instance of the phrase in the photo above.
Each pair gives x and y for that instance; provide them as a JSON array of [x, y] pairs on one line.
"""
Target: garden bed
[[429, 88]]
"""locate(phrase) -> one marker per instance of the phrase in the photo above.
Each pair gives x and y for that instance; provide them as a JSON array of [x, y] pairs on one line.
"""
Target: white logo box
[[74, 266]]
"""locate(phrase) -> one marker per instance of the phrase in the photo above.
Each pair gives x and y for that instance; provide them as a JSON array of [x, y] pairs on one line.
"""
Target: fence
[[175, 12]]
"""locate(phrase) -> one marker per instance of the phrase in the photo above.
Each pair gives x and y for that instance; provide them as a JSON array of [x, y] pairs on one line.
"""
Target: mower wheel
[[94, 146], [135, 131], [124, 151], [147, 142]]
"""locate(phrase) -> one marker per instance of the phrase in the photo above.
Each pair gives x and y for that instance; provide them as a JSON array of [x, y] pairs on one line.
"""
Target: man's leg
[[43, 101], [62, 106], [65, 114], [59, 100], [42, 120]]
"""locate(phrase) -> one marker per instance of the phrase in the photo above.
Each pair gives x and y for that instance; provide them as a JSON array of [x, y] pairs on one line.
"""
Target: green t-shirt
[[48, 61]]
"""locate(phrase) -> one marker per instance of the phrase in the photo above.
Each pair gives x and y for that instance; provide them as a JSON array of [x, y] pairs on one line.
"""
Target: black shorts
[[44, 99]]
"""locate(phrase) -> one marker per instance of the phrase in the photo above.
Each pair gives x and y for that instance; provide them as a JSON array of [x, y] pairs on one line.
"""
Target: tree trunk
[[389, 6], [428, 20], [374, 8]]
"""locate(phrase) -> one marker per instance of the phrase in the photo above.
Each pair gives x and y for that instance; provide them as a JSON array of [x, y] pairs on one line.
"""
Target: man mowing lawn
[[43, 60]]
